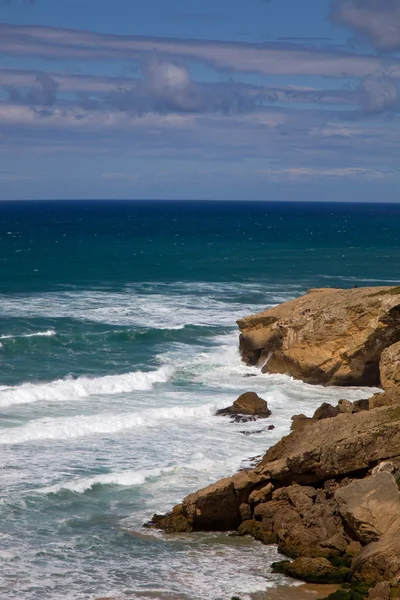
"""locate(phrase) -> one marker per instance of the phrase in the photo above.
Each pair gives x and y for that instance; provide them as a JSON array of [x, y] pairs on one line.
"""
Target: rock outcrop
[[370, 506], [389, 368], [327, 495], [247, 405], [328, 336], [324, 450]]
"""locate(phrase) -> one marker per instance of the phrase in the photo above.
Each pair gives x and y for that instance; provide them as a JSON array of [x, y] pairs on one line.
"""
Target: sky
[[220, 99]]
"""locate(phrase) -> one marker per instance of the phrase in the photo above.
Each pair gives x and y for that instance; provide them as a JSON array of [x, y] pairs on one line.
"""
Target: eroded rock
[[370, 506], [312, 570], [390, 371], [328, 336], [248, 404]]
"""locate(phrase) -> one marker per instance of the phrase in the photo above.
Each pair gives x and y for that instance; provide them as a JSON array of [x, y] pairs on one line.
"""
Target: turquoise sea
[[117, 344]]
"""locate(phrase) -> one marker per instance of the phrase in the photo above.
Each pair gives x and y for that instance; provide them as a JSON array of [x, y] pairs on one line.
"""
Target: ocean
[[118, 342]]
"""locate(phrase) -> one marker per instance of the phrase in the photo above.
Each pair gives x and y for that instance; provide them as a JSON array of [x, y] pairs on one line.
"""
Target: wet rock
[[248, 407], [258, 431], [257, 531], [312, 570]]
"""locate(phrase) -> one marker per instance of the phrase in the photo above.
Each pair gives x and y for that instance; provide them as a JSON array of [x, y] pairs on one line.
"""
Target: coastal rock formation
[[248, 404], [324, 450], [389, 367], [370, 506], [326, 494], [328, 336]]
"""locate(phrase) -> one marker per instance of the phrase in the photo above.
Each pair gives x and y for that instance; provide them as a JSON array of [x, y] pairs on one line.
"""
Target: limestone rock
[[370, 506], [333, 447], [328, 336], [249, 404], [312, 570], [379, 561], [390, 371]]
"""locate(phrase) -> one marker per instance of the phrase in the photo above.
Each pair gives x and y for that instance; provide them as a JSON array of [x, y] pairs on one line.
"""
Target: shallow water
[[118, 343]]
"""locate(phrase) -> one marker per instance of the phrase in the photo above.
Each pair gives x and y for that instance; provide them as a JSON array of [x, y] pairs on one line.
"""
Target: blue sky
[[218, 99]]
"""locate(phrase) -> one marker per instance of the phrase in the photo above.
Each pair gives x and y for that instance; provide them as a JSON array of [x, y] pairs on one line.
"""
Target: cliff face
[[328, 493], [328, 336]]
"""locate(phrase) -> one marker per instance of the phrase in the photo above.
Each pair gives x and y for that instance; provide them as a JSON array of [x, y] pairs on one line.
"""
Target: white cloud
[[276, 59]]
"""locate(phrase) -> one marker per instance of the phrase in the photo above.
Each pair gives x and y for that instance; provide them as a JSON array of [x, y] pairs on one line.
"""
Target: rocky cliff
[[328, 336], [328, 493]]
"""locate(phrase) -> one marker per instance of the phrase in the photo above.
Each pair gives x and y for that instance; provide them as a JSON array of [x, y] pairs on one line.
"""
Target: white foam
[[72, 389], [104, 423], [165, 308], [48, 333], [124, 478]]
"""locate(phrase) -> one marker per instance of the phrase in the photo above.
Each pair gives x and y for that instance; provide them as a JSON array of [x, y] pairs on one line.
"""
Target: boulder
[[345, 406], [248, 404], [312, 570], [389, 367], [328, 336], [379, 561], [326, 411], [370, 506]]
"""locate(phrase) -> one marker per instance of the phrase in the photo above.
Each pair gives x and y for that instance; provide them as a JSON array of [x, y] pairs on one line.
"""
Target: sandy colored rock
[[390, 371], [329, 336], [262, 494], [345, 406], [379, 561], [370, 506], [249, 404], [380, 592], [332, 447]]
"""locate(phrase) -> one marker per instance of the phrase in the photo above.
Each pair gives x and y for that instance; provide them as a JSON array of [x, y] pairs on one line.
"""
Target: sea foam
[[104, 423], [48, 333], [72, 389]]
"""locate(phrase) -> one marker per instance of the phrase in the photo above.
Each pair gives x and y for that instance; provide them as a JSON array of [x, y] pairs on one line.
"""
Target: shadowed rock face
[[328, 336]]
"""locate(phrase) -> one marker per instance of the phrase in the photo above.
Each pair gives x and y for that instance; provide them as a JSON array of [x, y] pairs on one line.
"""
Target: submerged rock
[[328, 336], [249, 406]]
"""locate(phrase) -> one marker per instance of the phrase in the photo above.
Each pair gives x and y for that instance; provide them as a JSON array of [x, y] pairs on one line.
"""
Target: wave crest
[[73, 389]]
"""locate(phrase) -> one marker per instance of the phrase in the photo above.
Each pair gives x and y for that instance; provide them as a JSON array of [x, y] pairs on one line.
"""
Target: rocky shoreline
[[328, 493]]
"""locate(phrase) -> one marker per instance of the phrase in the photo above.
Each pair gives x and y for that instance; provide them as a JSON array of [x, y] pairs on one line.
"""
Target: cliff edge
[[328, 336]]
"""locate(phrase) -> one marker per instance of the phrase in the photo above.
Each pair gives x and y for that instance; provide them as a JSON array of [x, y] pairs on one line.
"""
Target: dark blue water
[[48, 245], [117, 343]]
